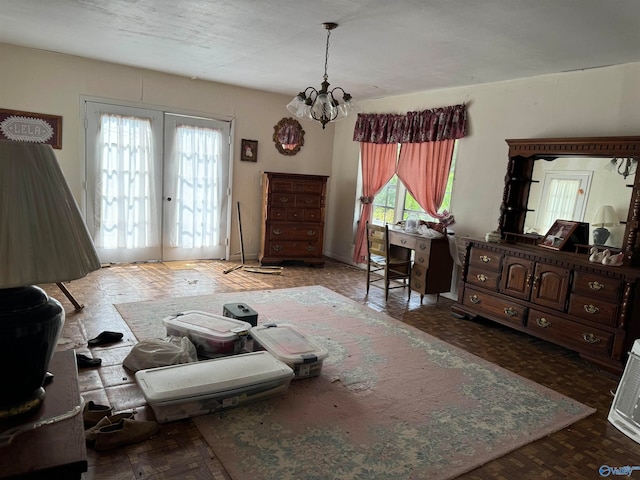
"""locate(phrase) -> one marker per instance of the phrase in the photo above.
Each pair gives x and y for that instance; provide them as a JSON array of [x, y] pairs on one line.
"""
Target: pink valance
[[447, 123]]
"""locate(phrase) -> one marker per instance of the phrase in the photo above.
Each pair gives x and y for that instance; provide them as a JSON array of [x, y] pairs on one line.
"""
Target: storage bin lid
[[208, 325], [206, 377], [288, 344]]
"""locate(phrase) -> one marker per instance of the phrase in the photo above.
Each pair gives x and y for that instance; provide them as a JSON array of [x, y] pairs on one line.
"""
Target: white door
[[563, 197], [129, 152], [196, 188]]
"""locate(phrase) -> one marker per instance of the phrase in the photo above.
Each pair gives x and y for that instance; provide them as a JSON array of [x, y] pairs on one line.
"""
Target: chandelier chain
[[326, 56]]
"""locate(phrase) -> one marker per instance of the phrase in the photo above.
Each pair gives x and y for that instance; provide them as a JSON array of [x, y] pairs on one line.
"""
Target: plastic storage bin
[[190, 389], [213, 335], [290, 346], [240, 311]]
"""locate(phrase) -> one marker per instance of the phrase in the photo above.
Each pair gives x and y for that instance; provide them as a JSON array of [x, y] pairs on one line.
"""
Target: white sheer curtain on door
[[560, 202], [125, 193], [195, 215]]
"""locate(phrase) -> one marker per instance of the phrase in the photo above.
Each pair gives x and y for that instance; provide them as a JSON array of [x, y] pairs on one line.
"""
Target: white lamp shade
[[43, 238], [605, 217]]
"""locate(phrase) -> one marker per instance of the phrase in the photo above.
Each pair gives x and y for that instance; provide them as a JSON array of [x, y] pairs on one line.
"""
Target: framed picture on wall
[[559, 234], [249, 150]]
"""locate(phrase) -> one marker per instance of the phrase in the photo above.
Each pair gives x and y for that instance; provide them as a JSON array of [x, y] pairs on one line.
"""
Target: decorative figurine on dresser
[[292, 218], [556, 290]]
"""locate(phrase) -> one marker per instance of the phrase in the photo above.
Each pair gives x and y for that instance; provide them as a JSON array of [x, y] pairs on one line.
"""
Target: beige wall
[[598, 102], [43, 82]]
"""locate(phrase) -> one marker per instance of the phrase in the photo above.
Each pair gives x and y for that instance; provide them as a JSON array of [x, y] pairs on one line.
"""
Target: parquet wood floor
[[179, 452]]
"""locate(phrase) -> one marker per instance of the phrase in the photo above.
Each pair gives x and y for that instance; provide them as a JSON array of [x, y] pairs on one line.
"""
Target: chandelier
[[624, 166], [322, 105]]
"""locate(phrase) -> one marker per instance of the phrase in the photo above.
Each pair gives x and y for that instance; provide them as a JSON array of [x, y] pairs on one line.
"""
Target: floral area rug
[[392, 402]]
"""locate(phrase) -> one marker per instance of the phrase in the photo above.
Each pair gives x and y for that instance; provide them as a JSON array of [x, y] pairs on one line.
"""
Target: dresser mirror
[[604, 184], [288, 136]]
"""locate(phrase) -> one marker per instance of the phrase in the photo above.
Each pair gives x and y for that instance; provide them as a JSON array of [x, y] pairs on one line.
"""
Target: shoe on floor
[[90, 434], [94, 412], [85, 362], [125, 432], [105, 338]]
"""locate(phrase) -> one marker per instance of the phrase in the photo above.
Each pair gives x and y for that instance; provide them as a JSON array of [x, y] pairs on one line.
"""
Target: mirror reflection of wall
[[288, 136], [575, 189]]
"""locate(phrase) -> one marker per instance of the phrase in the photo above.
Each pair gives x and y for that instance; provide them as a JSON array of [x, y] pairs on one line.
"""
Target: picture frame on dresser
[[559, 234]]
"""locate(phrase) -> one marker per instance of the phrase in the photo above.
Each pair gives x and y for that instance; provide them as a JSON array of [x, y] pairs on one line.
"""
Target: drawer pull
[[310, 248], [591, 309], [416, 286], [277, 231], [590, 338], [284, 199], [277, 248], [421, 260], [597, 286], [403, 241], [482, 277], [510, 312], [485, 259], [422, 246], [311, 233], [308, 201], [417, 273], [543, 322], [474, 299]]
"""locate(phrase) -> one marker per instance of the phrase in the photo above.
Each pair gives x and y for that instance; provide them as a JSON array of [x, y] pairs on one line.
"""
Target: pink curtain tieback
[[366, 200]]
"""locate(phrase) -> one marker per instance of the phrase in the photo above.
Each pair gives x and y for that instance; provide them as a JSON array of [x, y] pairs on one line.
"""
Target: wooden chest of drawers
[[292, 218], [557, 296]]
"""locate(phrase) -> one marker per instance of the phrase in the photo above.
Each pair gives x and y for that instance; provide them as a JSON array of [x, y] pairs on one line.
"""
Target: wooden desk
[[432, 263], [57, 450]]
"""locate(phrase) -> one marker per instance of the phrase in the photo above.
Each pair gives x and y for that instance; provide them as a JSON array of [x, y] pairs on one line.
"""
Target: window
[[395, 193]]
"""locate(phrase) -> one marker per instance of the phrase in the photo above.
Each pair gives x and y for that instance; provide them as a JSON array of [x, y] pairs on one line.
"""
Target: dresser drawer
[[485, 258], [593, 309], [597, 287], [495, 308], [293, 249], [584, 339], [284, 185], [418, 277], [483, 277], [421, 258], [282, 200], [316, 187], [296, 214], [402, 239], [308, 201], [294, 232]]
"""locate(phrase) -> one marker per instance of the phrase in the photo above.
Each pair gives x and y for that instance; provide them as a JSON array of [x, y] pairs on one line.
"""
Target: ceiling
[[380, 48]]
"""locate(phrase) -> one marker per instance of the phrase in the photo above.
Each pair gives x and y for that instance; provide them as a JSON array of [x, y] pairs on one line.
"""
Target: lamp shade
[[43, 238], [605, 217]]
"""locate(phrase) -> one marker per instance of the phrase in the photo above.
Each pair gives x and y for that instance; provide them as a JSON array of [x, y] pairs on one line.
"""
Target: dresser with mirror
[[559, 295]]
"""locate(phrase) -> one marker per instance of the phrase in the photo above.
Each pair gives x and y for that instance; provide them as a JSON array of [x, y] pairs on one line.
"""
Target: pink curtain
[[378, 165], [424, 170]]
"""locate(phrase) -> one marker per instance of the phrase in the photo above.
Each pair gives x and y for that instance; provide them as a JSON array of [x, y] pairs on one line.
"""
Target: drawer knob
[[510, 312], [474, 299], [485, 259], [590, 338], [597, 286], [311, 233], [277, 231], [543, 322], [284, 199], [482, 277], [277, 248], [592, 309]]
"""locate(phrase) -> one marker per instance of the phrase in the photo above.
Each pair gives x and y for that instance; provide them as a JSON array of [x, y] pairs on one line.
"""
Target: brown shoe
[[90, 434], [125, 432], [93, 413]]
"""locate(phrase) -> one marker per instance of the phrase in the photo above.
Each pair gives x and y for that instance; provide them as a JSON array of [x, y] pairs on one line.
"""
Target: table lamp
[[605, 217], [43, 239]]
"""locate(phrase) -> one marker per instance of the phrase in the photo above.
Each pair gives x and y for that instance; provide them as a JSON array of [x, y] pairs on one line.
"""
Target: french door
[[157, 184]]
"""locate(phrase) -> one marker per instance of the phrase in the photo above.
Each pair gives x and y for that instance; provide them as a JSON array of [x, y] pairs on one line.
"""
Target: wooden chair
[[391, 266]]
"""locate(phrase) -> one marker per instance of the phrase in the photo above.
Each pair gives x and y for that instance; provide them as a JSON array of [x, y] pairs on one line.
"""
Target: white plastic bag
[[160, 352]]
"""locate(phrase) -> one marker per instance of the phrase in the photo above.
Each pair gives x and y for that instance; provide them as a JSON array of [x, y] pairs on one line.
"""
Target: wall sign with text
[[31, 127]]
